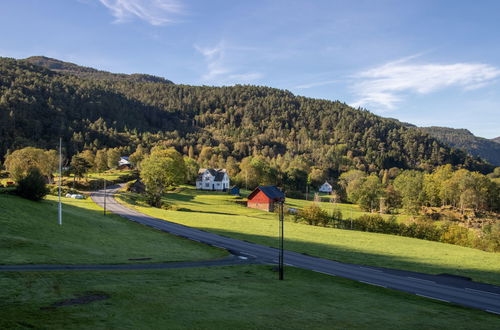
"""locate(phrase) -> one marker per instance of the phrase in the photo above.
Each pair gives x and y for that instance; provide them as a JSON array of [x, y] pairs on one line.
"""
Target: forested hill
[[464, 139], [38, 105], [85, 72]]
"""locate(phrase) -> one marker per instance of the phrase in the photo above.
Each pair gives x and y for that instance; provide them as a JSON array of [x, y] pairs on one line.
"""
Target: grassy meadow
[[242, 297], [30, 234], [220, 213]]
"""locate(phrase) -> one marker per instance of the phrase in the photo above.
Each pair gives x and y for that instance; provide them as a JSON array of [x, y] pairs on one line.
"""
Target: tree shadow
[[351, 256]]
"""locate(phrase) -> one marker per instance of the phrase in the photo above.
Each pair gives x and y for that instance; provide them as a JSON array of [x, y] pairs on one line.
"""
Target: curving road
[[443, 288]]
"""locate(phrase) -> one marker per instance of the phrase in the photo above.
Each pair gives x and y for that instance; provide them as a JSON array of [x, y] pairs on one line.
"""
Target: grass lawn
[[109, 175], [29, 234], [218, 213], [220, 298]]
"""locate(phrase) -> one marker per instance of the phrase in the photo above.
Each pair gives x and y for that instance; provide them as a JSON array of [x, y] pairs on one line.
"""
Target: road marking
[[242, 257], [373, 284], [490, 311], [289, 264], [373, 270], [248, 254], [319, 271], [479, 291], [421, 295], [419, 279]]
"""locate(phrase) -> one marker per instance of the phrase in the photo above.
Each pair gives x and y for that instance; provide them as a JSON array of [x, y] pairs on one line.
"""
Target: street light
[[104, 196], [281, 254]]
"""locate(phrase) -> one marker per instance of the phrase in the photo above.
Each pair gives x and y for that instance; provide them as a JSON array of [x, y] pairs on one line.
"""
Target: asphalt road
[[228, 261], [443, 288]]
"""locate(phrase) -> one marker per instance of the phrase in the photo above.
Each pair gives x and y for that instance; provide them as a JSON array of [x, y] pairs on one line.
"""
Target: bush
[[314, 215], [33, 185]]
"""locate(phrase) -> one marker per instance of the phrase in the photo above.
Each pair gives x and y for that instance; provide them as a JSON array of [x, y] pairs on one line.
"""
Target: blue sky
[[424, 62]]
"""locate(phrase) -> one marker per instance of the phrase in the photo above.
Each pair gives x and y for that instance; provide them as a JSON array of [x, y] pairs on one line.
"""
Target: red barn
[[264, 197]]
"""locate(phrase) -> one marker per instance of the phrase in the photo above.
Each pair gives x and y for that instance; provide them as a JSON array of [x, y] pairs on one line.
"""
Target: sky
[[429, 63]]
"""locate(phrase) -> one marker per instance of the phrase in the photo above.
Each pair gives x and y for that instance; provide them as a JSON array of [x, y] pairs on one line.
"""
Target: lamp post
[[281, 254], [59, 213], [104, 196]]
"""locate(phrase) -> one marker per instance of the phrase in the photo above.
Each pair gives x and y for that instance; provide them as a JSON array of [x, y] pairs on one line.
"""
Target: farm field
[[30, 235], [241, 297], [219, 213]]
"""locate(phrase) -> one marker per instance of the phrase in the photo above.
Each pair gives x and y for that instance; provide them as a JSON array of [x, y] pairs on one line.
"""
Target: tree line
[[37, 106]]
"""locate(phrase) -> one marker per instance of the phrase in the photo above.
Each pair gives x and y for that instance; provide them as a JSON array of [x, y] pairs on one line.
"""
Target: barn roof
[[272, 192]]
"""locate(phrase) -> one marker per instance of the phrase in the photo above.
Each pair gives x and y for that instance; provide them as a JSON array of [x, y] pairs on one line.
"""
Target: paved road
[[228, 261], [444, 288]]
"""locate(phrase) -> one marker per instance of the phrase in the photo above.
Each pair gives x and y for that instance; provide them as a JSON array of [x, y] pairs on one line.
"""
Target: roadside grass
[[219, 213], [237, 297], [30, 234]]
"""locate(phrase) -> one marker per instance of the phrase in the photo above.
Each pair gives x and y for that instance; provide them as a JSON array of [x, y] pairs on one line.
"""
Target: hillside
[[85, 72], [464, 139], [37, 105]]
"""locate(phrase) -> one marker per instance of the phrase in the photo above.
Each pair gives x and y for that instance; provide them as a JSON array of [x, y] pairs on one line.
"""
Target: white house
[[326, 187], [123, 161], [212, 179]]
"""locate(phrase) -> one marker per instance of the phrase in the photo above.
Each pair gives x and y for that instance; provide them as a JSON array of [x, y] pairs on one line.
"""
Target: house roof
[[272, 192], [218, 174]]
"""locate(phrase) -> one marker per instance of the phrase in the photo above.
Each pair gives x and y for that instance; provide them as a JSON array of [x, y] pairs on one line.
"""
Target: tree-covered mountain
[[91, 109], [464, 139], [85, 72]]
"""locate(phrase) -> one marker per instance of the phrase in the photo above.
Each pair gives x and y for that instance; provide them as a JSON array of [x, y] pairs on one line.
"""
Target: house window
[[207, 185]]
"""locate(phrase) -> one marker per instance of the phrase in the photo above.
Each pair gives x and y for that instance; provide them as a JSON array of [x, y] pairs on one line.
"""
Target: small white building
[[124, 161], [326, 187], [212, 179]]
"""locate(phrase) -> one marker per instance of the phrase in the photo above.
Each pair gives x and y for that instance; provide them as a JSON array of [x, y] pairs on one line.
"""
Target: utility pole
[[281, 254], [104, 196], [60, 178]]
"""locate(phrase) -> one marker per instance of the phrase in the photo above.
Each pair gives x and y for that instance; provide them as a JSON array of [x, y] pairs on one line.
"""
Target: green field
[[30, 235], [348, 210], [243, 297], [219, 213]]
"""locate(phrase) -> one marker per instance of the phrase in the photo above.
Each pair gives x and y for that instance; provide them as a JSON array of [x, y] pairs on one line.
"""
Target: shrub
[[458, 235], [314, 215], [33, 185]]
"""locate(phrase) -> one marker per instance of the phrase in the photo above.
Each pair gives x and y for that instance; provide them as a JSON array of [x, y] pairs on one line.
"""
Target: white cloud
[[384, 86], [316, 84], [155, 12], [219, 70]]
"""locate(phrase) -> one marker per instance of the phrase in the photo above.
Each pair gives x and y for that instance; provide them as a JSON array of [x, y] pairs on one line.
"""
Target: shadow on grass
[[342, 254], [183, 209], [491, 273]]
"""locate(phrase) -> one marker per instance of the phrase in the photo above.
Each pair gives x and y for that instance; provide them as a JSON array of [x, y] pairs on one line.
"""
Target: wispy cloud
[[219, 70], [384, 86], [155, 12], [316, 84]]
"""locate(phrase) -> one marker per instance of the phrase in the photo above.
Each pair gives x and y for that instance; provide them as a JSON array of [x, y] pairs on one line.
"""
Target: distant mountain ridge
[[92, 109], [465, 140], [86, 72]]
